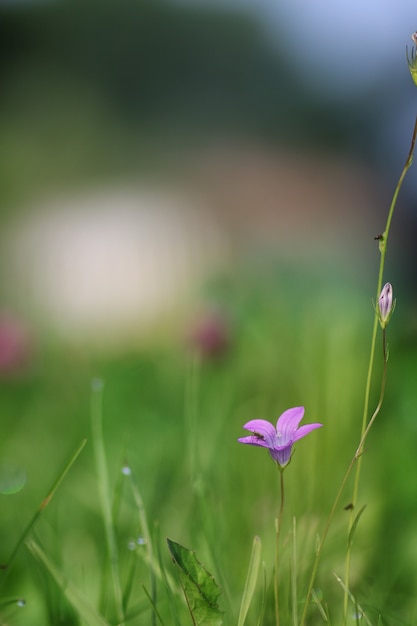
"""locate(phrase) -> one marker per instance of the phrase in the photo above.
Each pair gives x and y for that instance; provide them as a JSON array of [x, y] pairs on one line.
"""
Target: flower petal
[[304, 430], [288, 422], [282, 455], [254, 440], [265, 429]]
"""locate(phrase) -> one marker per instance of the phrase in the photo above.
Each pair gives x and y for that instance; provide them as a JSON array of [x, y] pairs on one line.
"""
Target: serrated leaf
[[200, 588]]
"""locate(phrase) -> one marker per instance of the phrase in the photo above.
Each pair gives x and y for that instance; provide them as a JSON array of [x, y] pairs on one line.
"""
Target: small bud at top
[[385, 305], [412, 62]]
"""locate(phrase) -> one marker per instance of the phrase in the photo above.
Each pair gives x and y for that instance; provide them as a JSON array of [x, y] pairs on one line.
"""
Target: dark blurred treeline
[[167, 66]]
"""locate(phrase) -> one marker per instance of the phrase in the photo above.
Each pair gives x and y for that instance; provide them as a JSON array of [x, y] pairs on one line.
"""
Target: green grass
[[174, 421]]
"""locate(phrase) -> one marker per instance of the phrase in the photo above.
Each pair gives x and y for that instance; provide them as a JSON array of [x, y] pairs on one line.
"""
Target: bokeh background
[[189, 196]]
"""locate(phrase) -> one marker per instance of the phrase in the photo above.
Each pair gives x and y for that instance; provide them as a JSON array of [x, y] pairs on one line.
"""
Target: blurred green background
[[188, 212]]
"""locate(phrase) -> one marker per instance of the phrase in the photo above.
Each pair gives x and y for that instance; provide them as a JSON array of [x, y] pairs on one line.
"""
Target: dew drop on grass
[[12, 478], [97, 384], [142, 541], [126, 470], [131, 545], [21, 603]]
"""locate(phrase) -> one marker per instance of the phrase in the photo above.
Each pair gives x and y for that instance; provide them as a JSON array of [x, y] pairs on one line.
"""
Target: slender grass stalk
[[170, 590], [128, 582], [154, 608], [278, 522], [191, 413], [17, 600], [104, 492], [263, 600], [143, 521], [366, 426], [320, 607], [294, 594], [358, 456], [359, 610], [106, 573], [251, 578], [81, 604], [5, 569]]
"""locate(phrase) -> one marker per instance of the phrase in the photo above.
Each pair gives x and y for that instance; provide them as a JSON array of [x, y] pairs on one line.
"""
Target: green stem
[[358, 456], [278, 522], [104, 494], [366, 426], [143, 521], [5, 569], [383, 250]]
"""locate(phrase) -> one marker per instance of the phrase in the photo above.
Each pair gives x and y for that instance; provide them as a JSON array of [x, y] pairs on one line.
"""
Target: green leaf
[[200, 588], [355, 525], [251, 579]]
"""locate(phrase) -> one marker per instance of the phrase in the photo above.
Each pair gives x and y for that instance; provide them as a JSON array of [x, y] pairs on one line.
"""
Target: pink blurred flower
[[15, 345], [210, 334]]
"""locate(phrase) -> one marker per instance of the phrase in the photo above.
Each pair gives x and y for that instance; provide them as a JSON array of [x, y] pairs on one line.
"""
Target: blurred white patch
[[112, 262]]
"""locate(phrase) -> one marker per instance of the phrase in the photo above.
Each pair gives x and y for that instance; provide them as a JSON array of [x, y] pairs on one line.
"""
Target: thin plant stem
[[191, 414], [5, 569], [104, 493], [294, 573], [383, 250], [143, 520], [355, 458], [278, 522], [358, 455], [366, 426]]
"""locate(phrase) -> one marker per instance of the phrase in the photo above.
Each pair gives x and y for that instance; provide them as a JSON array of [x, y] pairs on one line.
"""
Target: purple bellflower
[[279, 441]]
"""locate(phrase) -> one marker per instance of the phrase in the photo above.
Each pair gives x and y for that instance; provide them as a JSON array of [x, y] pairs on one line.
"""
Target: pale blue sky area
[[347, 50], [341, 44]]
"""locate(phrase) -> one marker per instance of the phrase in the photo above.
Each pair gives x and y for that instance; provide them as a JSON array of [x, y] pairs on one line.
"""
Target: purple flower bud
[[412, 63], [385, 304]]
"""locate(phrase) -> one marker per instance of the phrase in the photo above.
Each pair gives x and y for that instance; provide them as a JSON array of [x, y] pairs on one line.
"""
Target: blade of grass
[[104, 492], [199, 488], [317, 602], [294, 573], [251, 579], [117, 497], [7, 601], [263, 602], [128, 586], [82, 606], [352, 598], [154, 609], [191, 413], [6, 568], [168, 588], [138, 609], [143, 521]]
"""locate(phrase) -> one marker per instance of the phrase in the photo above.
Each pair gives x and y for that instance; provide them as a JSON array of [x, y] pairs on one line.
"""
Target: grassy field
[[173, 417]]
